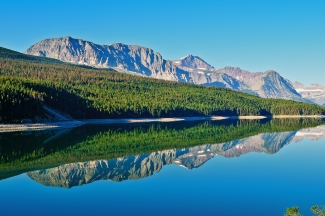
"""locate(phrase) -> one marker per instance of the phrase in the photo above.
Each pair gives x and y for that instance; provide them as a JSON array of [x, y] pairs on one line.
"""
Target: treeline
[[17, 101], [38, 150], [10, 54], [84, 92]]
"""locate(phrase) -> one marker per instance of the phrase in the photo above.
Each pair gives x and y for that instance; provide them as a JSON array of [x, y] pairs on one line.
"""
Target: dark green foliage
[[10, 54], [17, 101], [36, 150], [319, 211], [316, 210], [85, 92], [293, 211]]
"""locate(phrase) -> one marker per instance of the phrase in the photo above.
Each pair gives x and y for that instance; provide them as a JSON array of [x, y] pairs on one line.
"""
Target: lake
[[228, 167]]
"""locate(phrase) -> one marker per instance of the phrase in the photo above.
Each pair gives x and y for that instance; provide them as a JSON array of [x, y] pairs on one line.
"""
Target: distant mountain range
[[314, 92], [145, 165], [191, 69]]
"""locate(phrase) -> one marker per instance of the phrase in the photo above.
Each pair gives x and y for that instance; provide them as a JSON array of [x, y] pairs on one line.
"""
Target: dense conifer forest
[[28, 82], [25, 151]]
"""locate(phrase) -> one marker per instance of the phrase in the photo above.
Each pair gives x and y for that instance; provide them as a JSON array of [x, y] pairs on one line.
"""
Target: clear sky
[[284, 35]]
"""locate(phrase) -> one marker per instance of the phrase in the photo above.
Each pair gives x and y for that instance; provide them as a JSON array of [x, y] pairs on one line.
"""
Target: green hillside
[[27, 82], [26, 151], [10, 54]]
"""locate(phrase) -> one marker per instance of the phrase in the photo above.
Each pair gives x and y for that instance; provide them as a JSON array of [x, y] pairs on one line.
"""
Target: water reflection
[[145, 165]]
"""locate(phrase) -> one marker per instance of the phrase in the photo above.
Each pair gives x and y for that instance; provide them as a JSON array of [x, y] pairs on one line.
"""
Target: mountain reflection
[[145, 165]]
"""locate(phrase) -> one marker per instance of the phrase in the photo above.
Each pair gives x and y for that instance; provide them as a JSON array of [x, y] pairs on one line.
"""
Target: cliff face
[[145, 62], [269, 84], [316, 133], [313, 92], [141, 166], [119, 56], [125, 168]]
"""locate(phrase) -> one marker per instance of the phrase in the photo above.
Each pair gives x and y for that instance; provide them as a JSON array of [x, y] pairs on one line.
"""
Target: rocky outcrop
[[272, 85], [141, 166], [313, 92], [315, 133], [125, 168], [268, 143], [191, 62], [119, 56], [269, 84], [144, 61]]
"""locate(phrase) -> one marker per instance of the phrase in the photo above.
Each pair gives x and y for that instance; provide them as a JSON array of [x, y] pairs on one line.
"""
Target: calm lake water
[[246, 167]]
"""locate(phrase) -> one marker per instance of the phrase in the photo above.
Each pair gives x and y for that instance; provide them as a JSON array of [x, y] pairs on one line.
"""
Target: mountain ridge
[[144, 61], [141, 166], [313, 92]]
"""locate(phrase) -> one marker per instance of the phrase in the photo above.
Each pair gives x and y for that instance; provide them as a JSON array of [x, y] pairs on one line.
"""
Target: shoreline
[[198, 118], [77, 123], [39, 126]]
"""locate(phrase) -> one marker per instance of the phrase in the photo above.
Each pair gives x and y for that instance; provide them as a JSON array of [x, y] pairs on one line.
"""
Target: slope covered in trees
[[84, 92], [21, 152]]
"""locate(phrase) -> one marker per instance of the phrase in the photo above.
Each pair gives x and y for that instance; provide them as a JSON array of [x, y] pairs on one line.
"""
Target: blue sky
[[284, 35]]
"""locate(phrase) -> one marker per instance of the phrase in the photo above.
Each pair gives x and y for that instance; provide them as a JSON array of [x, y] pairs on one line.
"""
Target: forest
[[28, 82], [22, 152]]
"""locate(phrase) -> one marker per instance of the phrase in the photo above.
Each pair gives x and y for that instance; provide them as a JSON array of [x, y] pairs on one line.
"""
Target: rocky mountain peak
[[298, 85], [146, 62], [193, 62], [68, 38], [313, 92], [145, 165], [272, 73], [159, 55]]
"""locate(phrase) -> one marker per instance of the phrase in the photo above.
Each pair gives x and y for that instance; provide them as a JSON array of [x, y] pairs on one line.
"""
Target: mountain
[[146, 62], [204, 74], [313, 92], [85, 92], [145, 165], [193, 62], [119, 56], [269, 84], [10, 54], [315, 133]]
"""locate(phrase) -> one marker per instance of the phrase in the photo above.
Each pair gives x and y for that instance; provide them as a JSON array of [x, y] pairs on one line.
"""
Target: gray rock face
[[119, 56], [141, 166], [268, 84], [316, 133], [272, 85], [204, 74], [314, 92], [193, 62], [144, 61]]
